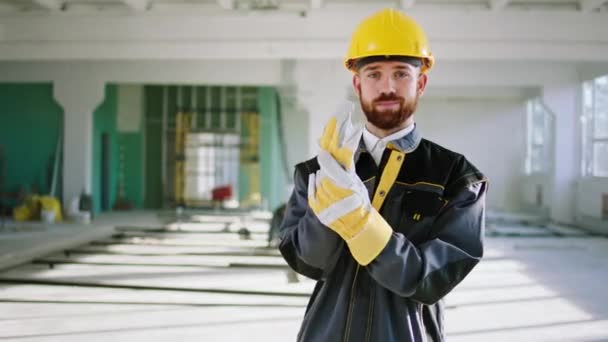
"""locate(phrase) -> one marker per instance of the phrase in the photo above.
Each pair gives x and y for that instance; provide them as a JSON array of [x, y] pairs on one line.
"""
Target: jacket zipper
[[351, 307]]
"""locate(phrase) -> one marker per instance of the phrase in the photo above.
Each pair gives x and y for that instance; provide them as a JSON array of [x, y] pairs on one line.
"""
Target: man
[[386, 221]]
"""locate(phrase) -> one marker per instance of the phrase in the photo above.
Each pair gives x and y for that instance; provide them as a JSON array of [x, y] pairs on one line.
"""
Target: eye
[[373, 75], [401, 74]]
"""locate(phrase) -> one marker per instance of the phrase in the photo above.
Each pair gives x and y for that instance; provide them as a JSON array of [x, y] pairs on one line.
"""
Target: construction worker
[[386, 221]]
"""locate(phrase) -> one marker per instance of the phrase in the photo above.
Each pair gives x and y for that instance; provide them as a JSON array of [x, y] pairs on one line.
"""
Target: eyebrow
[[375, 67]]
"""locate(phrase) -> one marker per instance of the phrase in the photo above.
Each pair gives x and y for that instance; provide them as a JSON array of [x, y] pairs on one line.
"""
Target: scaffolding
[[214, 146]]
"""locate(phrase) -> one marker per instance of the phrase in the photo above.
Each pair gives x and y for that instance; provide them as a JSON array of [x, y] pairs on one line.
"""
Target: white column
[[563, 101], [295, 117], [79, 97], [322, 87], [320, 107]]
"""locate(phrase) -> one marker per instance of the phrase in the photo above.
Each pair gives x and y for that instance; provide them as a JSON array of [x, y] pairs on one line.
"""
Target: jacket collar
[[406, 144]]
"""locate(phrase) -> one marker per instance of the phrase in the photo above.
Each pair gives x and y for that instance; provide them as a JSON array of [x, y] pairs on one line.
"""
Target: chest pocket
[[414, 210]]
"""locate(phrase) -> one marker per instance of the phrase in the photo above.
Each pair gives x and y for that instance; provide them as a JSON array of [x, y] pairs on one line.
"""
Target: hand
[[350, 215], [336, 205], [341, 138]]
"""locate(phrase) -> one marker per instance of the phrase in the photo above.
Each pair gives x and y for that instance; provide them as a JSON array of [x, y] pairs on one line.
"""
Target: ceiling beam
[[7, 8], [501, 28], [316, 4], [226, 4], [254, 72], [137, 5], [497, 5], [407, 3], [590, 5], [503, 35], [51, 5]]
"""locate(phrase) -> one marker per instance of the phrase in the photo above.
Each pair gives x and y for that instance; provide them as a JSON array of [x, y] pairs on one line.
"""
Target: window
[[595, 127], [539, 130]]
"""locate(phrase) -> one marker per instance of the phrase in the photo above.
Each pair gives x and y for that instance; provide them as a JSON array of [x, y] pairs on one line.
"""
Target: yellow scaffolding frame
[[182, 127]]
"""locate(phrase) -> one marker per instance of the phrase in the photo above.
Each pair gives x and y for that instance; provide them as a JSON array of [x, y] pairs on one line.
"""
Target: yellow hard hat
[[389, 33]]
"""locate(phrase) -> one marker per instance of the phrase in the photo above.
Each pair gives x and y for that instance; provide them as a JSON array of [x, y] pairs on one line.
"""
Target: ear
[[422, 79], [357, 84]]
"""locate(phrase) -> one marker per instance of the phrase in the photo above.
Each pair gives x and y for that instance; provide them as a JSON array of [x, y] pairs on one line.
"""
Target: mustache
[[389, 97]]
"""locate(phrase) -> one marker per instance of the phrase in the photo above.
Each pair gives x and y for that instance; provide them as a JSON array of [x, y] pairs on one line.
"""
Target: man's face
[[389, 92]]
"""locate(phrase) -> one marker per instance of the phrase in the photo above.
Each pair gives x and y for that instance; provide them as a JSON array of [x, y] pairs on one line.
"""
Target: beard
[[389, 119]]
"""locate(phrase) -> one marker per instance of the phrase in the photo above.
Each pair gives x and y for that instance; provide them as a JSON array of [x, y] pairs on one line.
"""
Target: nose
[[386, 86]]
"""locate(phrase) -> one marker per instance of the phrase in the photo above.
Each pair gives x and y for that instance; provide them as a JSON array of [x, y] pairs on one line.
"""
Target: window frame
[[588, 126], [537, 154]]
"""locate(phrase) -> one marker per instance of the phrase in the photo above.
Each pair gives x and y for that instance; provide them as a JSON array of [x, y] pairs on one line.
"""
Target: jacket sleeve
[[429, 271], [309, 247]]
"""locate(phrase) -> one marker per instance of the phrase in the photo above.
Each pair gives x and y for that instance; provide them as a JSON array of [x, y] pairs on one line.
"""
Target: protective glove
[[336, 157], [339, 198], [341, 138], [337, 184], [338, 179], [350, 215]]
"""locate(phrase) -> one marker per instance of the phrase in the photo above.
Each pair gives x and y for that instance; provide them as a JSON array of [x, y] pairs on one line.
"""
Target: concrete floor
[[200, 283]]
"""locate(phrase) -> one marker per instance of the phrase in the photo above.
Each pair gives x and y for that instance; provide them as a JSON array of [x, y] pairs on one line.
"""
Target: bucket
[[82, 217], [47, 216]]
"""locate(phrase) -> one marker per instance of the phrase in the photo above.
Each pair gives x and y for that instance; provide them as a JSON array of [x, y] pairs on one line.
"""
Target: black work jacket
[[436, 209]]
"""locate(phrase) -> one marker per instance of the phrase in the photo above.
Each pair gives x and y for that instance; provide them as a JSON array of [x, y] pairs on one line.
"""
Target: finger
[[323, 197], [321, 200], [334, 191], [342, 208], [344, 156], [342, 127], [335, 139], [311, 188], [328, 133], [333, 170], [325, 193], [353, 137], [318, 176]]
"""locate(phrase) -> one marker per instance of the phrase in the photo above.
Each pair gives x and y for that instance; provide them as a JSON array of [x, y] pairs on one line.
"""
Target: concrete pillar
[[295, 118], [79, 97], [563, 101], [322, 89]]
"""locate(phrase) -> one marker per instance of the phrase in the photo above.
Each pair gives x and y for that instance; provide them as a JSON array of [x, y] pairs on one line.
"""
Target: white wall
[[589, 196], [320, 87], [589, 192], [530, 187], [563, 101], [295, 130], [490, 133]]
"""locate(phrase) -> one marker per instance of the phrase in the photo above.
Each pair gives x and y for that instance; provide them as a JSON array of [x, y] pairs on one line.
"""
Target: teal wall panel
[[274, 180], [132, 168], [30, 124], [104, 122], [153, 109]]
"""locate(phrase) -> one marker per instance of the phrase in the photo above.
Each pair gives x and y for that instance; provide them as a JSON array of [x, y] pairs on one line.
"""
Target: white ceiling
[[202, 29], [477, 43], [290, 5]]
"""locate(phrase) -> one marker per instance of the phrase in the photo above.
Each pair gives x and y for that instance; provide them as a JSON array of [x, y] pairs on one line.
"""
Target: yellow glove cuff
[[371, 240]]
